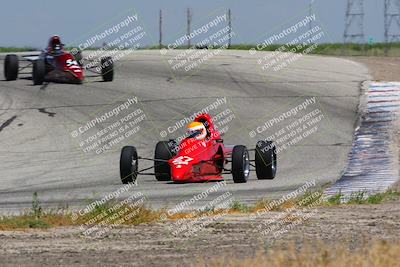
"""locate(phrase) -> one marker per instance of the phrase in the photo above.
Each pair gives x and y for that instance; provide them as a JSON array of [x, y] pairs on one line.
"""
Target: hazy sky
[[30, 23]]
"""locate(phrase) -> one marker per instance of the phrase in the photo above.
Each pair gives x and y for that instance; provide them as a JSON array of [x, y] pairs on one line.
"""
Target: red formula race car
[[201, 159], [55, 64]]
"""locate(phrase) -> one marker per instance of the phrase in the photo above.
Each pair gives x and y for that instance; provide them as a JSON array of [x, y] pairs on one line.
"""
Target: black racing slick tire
[[38, 72], [266, 160], [11, 66], [107, 69], [240, 164], [165, 150], [128, 164], [79, 58]]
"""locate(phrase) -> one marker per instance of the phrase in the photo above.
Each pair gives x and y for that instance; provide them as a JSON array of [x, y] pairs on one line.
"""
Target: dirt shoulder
[[381, 68], [239, 235]]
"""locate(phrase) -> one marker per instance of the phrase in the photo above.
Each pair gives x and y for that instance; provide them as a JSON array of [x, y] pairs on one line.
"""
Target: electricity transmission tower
[[392, 22], [354, 22]]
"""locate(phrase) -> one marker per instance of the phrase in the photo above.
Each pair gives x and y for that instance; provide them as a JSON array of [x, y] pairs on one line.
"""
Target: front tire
[[11, 66], [38, 72], [165, 150], [107, 69], [128, 164], [240, 164], [266, 160]]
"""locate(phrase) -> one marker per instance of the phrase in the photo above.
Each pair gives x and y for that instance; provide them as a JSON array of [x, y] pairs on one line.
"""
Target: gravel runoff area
[[382, 68], [239, 235], [154, 244]]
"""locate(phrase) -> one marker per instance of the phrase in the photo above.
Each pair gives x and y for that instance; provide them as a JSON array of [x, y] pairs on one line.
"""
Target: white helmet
[[197, 130]]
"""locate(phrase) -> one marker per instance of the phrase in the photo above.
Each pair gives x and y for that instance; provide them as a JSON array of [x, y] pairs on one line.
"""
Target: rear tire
[[240, 164], [165, 150], [38, 72], [266, 160], [128, 164], [11, 66], [107, 69], [78, 58]]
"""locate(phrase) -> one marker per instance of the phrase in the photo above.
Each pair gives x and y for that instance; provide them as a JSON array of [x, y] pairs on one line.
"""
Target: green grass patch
[[106, 214], [22, 222], [334, 200], [336, 49], [112, 212], [314, 199], [240, 207], [361, 197], [357, 198], [377, 198]]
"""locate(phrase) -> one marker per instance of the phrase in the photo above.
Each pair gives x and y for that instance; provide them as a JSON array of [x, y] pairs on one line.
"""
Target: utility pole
[[354, 22], [392, 22], [189, 21], [310, 14], [160, 29], [230, 28]]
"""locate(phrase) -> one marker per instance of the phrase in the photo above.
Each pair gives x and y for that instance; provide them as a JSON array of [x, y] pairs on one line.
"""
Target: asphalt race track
[[38, 153]]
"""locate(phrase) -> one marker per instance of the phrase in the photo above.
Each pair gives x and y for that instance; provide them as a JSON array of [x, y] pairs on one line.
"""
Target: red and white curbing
[[373, 164]]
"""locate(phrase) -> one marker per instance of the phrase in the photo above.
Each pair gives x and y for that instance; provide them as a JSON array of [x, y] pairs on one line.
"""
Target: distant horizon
[[152, 47], [252, 21]]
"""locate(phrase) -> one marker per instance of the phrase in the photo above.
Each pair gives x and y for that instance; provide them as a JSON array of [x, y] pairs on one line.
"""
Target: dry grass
[[377, 254], [43, 219], [38, 218], [131, 215]]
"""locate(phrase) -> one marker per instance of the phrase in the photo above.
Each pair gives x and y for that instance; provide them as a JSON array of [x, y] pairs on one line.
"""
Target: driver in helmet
[[55, 46], [197, 130]]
